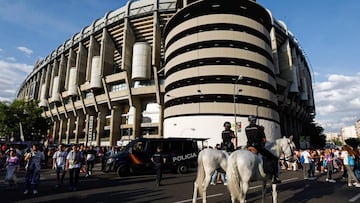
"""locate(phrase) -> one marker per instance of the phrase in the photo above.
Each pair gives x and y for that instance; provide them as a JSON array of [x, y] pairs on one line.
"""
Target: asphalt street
[[103, 187]]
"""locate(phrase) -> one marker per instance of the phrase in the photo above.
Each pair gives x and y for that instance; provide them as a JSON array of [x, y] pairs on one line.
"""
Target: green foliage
[[353, 142], [315, 132], [23, 115], [337, 142]]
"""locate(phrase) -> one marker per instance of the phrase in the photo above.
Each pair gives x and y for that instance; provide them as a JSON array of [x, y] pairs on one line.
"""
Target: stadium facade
[[167, 68]]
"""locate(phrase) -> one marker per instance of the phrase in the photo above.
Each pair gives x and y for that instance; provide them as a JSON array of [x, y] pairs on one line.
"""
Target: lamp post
[[240, 77]]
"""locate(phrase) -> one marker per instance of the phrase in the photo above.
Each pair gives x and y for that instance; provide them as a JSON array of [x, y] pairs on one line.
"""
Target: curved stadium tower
[[174, 69]]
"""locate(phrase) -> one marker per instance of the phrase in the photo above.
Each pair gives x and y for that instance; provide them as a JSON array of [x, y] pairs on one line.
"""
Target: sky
[[328, 32]]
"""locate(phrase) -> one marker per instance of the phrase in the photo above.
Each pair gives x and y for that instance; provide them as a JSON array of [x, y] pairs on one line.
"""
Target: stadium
[[171, 68]]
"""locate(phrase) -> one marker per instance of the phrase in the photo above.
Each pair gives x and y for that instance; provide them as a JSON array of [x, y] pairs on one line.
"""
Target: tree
[[353, 142], [315, 132], [23, 118], [337, 142]]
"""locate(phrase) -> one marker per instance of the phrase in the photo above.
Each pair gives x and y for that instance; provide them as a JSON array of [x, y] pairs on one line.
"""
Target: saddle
[[253, 150]]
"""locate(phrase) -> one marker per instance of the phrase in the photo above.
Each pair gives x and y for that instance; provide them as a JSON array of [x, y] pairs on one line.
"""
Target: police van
[[180, 153]]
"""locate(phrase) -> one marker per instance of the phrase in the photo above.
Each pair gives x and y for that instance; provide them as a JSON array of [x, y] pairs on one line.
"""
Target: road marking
[[284, 181], [356, 197], [207, 197], [220, 194]]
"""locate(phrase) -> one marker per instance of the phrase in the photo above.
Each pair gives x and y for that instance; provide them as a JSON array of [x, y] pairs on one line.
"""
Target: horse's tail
[[200, 175], [233, 176]]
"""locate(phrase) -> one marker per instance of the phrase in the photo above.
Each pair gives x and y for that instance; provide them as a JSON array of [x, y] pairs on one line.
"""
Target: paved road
[[104, 187]]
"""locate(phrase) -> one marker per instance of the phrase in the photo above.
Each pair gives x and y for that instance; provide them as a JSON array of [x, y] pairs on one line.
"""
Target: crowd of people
[[328, 161], [65, 160]]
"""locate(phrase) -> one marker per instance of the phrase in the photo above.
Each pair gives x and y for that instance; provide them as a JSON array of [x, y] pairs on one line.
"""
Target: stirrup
[[276, 180]]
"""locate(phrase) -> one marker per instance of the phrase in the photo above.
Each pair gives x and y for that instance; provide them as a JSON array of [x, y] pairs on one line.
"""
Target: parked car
[[180, 153]]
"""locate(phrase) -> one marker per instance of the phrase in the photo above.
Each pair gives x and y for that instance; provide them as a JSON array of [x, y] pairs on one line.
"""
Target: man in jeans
[[73, 165], [59, 162], [306, 163], [90, 160]]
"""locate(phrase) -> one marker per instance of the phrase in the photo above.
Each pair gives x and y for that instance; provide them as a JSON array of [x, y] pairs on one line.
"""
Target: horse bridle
[[291, 150]]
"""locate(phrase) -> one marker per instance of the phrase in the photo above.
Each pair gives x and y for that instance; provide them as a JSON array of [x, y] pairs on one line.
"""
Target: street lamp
[[234, 98]]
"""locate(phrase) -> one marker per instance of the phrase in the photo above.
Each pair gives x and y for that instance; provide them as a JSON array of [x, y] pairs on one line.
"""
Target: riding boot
[[275, 178]]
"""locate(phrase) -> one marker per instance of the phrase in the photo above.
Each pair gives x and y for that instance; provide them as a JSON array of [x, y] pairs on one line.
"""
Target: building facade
[[167, 68], [348, 132]]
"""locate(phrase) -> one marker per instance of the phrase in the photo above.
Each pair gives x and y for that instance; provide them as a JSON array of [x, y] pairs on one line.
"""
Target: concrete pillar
[[70, 130], [137, 118], [55, 130], [86, 129], [80, 123], [62, 72], [94, 50], [115, 125], [81, 62], [100, 123], [161, 124], [62, 131], [107, 53], [71, 62]]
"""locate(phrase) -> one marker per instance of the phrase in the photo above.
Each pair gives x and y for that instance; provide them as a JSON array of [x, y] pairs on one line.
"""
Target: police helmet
[[252, 119], [227, 124]]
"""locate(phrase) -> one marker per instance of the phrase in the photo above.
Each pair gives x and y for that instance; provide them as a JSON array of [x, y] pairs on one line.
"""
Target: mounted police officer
[[227, 135], [256, 138]]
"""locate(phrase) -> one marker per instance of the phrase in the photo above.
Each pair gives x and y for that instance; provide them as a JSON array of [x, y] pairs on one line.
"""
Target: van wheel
[[182, 169], [123, 171]]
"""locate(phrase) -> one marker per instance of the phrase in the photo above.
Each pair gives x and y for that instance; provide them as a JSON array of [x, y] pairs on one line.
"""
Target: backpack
[[302, 159], [351, 161]]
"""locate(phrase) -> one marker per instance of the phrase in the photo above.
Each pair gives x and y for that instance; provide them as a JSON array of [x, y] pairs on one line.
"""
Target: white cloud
[[26, 50], [13, 59], [11, 77], [337, 101]]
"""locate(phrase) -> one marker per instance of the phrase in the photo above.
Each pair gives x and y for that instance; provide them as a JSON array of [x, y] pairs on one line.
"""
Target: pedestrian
[[73, 165], [90, 155], [12, 167], [348, 156], [329, 158], [82, 150], [33, 166], [227, 136], [256, 138], [218, 173], [306, 162], [159, 160], [59, 164]]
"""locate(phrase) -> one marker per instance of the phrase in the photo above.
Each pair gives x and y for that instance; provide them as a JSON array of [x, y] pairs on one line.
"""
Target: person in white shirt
[[73, 165], [346, 154], [59, 164], [306, 163]]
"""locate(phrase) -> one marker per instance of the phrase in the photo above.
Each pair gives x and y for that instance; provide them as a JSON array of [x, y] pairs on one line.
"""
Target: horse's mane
[[273, 146]]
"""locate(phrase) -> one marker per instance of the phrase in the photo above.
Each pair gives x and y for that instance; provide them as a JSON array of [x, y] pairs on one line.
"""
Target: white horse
[[245, 166], [208, 161]]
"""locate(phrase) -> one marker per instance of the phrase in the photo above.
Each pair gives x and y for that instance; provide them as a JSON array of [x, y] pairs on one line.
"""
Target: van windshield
[[135, 145]]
